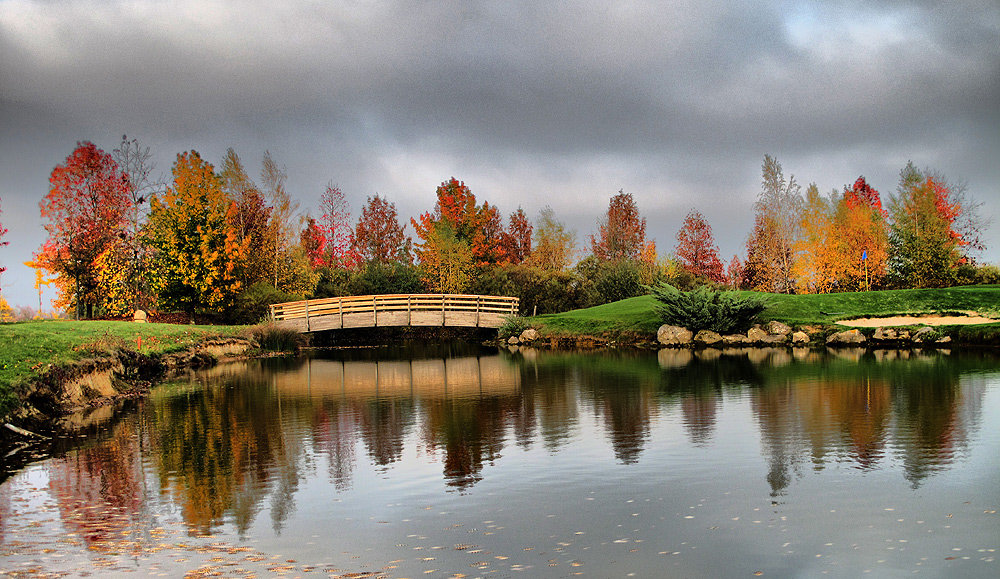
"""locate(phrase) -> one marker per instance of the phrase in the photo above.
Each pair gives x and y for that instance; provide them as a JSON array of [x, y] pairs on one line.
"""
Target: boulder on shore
[[529, 335], [778, 328], [848, 337], [673, 335], [756, 335], [800, 337], [707, 337]]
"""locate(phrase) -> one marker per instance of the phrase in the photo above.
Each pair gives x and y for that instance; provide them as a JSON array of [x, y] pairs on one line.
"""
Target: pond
[[460, 461]]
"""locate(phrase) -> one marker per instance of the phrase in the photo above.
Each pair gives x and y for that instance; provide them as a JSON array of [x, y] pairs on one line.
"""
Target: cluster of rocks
[[527, 336], [774, 333], [888, 336]]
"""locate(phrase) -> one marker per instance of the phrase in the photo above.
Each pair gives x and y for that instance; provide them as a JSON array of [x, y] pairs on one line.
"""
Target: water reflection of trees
[[862, 407], [245, 436]]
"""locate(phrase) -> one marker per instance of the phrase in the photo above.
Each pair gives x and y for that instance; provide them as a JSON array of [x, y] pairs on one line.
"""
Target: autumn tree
[[813, 265], [517, 238], [734, 272], [932, 231], [285, 263], [553, 246], [336, 225], [313, 242], [860, 239], [378, 235], [83, 213], [456, 215], [194, 230], [253, 219], [621, 231], [446, 260], [697, 250], [769, 249]]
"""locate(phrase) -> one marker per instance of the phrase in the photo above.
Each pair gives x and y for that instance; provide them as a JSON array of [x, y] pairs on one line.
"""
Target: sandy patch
[[918, 320]]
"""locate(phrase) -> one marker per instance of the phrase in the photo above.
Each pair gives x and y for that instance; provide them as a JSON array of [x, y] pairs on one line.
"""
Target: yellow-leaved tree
[[199, 251]]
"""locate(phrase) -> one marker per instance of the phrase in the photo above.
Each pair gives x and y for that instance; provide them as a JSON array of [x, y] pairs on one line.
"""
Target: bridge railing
[[395, 310]]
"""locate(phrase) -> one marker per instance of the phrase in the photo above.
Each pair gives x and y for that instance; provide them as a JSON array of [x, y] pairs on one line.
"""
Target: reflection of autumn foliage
[[470, 432], [99, 488], [857, 411], [216, 453]]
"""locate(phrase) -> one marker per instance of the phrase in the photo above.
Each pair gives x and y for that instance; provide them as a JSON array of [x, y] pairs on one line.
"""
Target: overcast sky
[[530, 103]]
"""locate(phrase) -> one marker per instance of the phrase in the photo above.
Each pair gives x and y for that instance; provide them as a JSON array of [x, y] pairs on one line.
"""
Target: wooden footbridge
[[451, 310]]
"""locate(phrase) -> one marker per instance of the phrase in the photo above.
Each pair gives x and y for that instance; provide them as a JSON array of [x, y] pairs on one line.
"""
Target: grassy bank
[[28, 348], [637, 315]]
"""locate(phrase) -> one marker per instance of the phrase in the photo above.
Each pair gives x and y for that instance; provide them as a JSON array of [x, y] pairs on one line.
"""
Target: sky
[[529, 103]]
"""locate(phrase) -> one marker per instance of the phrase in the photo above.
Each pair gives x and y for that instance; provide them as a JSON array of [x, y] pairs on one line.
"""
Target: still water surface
[[457, 461]]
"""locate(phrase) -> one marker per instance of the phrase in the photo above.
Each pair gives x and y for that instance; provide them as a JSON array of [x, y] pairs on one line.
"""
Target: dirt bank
[[63, 389]]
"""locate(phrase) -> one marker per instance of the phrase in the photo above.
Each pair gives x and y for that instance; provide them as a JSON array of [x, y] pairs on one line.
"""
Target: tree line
[[215, 242]]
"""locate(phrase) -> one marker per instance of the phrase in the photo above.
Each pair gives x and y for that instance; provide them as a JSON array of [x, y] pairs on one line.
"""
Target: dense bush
[[512, 326], [704, 309]]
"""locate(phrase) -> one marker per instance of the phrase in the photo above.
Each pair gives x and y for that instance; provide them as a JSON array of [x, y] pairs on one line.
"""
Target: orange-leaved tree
[[813, 266], [456, 215], [697, 250], [553, 246], [194, 231], [860, 239], [84, 214], [621, 232]]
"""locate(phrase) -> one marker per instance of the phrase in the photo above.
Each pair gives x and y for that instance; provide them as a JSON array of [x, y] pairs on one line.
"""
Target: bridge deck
[[453, 310]]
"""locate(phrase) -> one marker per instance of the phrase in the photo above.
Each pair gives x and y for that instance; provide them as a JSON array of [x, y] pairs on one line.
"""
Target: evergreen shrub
[[705, 309]]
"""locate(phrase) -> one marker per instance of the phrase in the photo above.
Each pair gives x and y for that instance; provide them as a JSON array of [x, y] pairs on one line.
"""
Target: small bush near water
[[273, 338], [512, 326], [704, 309]]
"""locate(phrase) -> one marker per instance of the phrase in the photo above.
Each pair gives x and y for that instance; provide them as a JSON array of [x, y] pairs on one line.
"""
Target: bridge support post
[[340, 310], [307, 315]]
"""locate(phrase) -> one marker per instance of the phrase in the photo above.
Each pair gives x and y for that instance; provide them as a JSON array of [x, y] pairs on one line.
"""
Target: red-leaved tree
[[621, 232], [517, 241], [313, 243], [697, 250], [84, 212]]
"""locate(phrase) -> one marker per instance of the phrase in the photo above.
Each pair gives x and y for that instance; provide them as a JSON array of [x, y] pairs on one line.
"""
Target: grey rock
[[800, 337], [755, 335], [513, 340]]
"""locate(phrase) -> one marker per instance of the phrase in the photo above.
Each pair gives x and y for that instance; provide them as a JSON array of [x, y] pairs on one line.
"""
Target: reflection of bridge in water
[[423, 378], [444, 310]]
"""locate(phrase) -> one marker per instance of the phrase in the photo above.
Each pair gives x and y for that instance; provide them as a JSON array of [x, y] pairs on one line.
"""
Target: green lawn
[[28, 347], [638, 314]]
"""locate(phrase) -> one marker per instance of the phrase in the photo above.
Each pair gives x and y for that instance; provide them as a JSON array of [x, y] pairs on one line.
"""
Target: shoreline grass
[[637, 315], [28, 348]]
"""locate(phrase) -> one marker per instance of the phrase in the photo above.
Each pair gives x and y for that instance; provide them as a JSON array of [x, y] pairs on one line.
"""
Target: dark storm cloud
[[532, 103]]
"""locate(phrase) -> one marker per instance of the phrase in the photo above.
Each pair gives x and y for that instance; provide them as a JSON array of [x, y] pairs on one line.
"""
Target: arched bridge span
[[451, 310]]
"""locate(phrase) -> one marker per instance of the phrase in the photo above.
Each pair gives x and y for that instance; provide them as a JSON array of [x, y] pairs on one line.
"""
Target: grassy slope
[[27, 347], [638, 314]]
